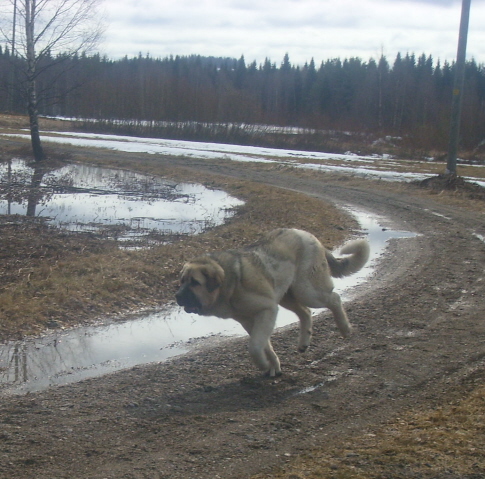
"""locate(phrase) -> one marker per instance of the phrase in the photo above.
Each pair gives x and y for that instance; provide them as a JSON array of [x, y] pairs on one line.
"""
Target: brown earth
[[408, 373]]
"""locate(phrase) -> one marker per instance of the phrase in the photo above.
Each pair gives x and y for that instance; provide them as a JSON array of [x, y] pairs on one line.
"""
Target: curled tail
[[358, 252]]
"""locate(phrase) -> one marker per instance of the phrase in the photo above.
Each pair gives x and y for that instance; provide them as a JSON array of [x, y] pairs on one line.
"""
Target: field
[[403, 397]]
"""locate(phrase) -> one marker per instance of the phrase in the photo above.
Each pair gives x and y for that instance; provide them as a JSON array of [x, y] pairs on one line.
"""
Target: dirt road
[[419, 339]]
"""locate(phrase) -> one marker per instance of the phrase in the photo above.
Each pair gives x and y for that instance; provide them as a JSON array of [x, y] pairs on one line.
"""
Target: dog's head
[[200, 282]]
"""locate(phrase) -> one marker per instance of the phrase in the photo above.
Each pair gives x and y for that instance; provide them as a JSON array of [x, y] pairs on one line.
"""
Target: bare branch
[[46, 28]]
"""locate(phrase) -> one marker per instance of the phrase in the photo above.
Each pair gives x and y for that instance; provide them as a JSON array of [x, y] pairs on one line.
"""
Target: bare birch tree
[[42, 29]]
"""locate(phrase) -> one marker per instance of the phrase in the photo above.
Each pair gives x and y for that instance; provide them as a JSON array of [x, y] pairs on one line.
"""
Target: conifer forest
[[408, 97]]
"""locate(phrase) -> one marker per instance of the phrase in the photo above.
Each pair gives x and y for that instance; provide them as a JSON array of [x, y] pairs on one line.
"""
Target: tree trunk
[[34, 125], [31, 75]]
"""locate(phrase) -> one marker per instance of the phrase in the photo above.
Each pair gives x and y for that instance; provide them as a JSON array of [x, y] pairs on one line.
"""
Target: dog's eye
[[194, 282]]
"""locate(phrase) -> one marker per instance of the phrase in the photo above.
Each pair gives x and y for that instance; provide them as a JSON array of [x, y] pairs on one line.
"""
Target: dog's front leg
[[260, 348], [275, 367]]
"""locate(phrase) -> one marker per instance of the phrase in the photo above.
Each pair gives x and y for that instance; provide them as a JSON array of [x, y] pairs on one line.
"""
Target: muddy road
[[419, 336]]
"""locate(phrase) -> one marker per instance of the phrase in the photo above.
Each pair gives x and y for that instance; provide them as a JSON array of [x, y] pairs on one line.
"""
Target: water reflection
[[120, 204], [22, 185], [69, 356], [66, 357]]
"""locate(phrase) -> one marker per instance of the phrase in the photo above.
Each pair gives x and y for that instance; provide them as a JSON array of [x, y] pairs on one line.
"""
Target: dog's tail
[[358, 252]]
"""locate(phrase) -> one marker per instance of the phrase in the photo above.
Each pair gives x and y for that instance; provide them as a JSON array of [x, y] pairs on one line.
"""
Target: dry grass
[[52, 277], [49, 277], [45, 276], [446, 442]]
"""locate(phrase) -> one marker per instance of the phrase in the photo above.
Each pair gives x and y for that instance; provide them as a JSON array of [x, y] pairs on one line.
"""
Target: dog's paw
[[347, 334], [346, 330], [302, 349]]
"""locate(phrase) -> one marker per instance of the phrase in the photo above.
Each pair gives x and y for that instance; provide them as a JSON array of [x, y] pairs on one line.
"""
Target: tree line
[[409, 97]]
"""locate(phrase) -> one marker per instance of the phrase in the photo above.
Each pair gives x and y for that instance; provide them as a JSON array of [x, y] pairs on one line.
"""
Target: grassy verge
[[446, 442], [54, 278]]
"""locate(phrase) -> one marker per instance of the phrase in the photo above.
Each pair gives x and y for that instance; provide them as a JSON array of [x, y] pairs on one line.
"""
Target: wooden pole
[[457, 98]]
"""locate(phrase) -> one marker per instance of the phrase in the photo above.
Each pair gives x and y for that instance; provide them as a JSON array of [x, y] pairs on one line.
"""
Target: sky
[[305, 29]]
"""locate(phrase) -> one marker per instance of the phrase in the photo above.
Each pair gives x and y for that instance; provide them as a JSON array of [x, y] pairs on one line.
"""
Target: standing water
[[69, 356], [116, 203]]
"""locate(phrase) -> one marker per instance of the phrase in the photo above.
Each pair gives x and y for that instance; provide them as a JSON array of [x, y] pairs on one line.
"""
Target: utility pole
[[14, 26], [457, 98]]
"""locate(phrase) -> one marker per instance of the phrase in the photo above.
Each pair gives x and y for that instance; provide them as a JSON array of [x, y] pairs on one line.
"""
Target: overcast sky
[[305, 29]]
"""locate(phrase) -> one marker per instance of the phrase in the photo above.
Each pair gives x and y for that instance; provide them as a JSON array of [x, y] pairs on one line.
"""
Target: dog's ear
[[183, 273], [214, 278]]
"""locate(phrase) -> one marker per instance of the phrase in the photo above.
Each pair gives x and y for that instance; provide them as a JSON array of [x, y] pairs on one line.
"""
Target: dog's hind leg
[[316, 298], [334, 303], [304, 315]]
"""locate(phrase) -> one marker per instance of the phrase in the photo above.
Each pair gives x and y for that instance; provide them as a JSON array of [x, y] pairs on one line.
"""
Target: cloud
[[305, 29]]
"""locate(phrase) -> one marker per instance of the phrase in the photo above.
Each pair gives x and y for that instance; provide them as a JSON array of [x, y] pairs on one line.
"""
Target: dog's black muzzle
[[185, 297]]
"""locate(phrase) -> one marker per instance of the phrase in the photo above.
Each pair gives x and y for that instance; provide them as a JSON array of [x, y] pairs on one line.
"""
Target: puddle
[[378, 234], [69, 356], [73, 355], [122, 204]]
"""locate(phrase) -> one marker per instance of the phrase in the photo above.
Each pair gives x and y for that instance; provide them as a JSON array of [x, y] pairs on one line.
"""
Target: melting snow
[[372, 166]]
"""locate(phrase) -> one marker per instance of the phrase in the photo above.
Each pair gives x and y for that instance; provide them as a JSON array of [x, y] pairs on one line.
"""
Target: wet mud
[[418, 342]]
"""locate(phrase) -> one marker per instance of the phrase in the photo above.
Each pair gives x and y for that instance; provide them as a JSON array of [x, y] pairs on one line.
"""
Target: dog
[[288, 267]]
